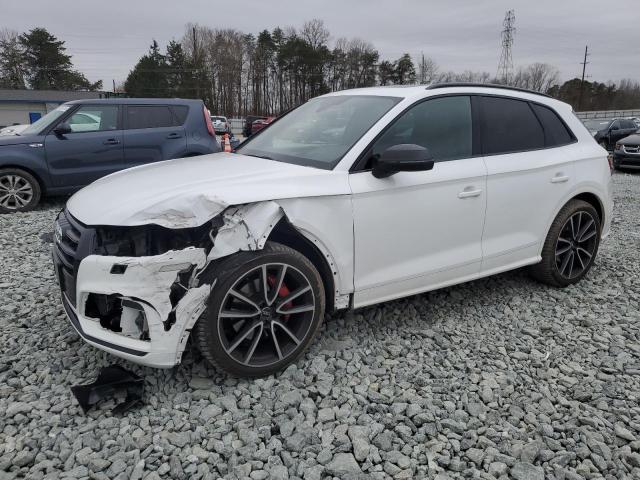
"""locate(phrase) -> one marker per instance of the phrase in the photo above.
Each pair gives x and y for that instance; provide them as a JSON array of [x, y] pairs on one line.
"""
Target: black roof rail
[[485, 85]]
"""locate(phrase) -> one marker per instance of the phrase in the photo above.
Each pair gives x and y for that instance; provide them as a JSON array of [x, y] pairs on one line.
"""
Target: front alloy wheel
[[19, 191], [264, 311], [266, 314]]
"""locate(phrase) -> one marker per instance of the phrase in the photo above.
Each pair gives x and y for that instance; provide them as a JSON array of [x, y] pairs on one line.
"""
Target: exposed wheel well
[[594, 201], [286, 234], [43, 189]]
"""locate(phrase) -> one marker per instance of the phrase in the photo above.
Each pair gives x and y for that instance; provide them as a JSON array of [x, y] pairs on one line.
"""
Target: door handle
[[470, 192], [174, 135], [560, 179], [111, 141]]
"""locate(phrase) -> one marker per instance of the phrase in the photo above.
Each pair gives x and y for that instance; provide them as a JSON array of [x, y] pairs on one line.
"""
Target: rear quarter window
[[154, 116], [509, 125], [180, 113], [555, 131]]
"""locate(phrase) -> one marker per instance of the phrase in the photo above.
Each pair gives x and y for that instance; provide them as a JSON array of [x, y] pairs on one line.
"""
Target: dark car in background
[[84, 140], [608, 131], [626, 154], [248, 122]]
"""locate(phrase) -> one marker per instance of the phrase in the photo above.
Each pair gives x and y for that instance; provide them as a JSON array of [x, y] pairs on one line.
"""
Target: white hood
[[188, 192]]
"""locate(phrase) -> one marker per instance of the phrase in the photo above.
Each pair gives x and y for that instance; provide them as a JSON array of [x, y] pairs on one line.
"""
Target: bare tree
[[11, 60], [537, 76], [315, 33]]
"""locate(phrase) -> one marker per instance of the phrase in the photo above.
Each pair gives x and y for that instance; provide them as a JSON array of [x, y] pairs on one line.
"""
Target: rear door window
[[509, 125], [555, 131], [150, 116]]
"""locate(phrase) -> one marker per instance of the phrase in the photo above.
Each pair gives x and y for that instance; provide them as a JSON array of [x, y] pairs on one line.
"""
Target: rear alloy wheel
[[571, 245], [264, 311], [576, 244], [19, 191]]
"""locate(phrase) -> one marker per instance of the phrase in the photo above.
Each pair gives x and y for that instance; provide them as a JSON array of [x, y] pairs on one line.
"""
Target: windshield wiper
[[259, 156]]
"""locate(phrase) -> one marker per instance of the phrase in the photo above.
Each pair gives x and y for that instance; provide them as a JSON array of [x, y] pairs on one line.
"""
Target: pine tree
[[178, 71], [47, 66], [405, 72], [149, 77]]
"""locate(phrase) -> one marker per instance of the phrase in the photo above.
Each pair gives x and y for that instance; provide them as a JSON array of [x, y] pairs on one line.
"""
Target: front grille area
[[634, 149], [72, 242]]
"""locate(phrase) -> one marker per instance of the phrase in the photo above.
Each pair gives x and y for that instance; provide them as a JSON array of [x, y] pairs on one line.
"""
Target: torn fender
[[245, 228]]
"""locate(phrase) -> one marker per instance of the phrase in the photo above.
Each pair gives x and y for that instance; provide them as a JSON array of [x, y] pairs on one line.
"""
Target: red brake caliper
[[283, 292]]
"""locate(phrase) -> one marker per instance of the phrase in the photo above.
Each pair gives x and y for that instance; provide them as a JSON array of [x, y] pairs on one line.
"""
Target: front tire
[[263, 313], [571, 245], [19, 191]]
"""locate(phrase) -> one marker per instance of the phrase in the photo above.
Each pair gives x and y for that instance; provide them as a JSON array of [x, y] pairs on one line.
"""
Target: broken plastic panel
[[111, 380]]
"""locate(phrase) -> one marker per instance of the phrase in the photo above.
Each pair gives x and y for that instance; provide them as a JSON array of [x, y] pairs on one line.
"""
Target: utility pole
[[505, 66], [196, 73], [114, 85], [584, 68]]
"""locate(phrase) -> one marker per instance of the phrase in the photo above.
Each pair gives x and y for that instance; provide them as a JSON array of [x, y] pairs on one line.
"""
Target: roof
[[45, 96], [435, 86], [141, 101], [385, 91], [417, 92]]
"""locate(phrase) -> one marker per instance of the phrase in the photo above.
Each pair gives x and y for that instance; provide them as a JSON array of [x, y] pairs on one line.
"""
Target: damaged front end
[[138, 291]]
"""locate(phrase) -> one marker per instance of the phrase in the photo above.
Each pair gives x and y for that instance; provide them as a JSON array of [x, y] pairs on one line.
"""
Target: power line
[[505, 66]]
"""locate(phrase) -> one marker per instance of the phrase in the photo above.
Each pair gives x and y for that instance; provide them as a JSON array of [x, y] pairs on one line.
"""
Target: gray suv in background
[[84, 140]]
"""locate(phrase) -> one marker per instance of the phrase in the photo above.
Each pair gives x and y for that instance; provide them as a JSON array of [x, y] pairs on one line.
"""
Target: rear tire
[[571, 245], [19, 190], [246, 329]]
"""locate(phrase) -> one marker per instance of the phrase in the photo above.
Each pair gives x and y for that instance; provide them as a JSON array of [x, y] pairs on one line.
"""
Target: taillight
[[207, 120], [610, 160]]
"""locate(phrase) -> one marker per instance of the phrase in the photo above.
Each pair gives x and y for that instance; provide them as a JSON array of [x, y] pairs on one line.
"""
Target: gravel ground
[[498, 378]]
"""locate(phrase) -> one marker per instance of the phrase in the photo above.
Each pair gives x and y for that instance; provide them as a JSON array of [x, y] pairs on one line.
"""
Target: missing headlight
[[146, 240]]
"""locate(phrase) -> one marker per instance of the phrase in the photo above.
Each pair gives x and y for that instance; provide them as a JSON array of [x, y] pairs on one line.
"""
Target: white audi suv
[[354, 198]]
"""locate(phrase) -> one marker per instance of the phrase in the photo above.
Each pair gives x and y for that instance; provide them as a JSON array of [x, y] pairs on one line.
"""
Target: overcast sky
[[106, 38]]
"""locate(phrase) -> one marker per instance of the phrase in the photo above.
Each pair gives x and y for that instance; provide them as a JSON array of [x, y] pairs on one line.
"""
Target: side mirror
[[62, 129], [615, 127], [405, 157]]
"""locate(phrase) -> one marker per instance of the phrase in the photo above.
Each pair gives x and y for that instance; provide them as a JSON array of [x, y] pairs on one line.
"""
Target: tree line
[[38, 60], [236, 73]]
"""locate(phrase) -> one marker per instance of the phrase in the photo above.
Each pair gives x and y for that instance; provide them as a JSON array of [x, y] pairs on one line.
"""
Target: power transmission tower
[[505, 67], [584, 68]]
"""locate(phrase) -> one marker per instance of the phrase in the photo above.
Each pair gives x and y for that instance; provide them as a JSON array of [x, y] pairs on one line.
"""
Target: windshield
[[39, 125], [596, 124], [218, 119], [319, 133]]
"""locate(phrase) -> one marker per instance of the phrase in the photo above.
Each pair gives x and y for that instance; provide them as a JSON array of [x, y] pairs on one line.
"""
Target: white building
[[26, 106]]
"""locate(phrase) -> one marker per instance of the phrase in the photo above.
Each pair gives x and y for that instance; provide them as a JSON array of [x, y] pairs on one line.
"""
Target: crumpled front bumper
[[130, 306], [144, 283]]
